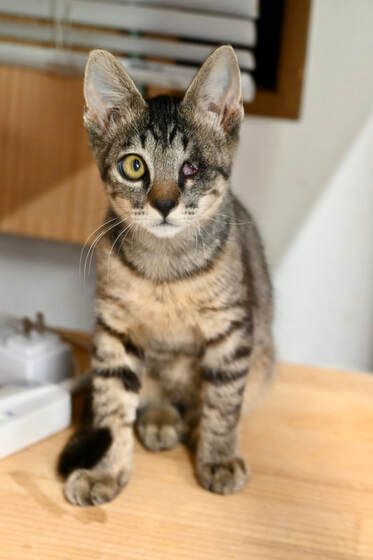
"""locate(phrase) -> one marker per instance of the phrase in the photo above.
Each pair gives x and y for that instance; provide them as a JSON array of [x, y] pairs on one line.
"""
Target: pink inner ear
[[229, 113], [230, 118], [213, 108]]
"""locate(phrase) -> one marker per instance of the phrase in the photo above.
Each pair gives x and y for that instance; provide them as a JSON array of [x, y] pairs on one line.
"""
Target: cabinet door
[[50, 186]]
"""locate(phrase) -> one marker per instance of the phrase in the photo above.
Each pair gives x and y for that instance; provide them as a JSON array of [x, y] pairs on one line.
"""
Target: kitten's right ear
[[107, 86]]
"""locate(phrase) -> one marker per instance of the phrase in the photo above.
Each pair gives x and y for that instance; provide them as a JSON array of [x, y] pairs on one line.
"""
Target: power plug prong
[[27, 326], [40, 322]]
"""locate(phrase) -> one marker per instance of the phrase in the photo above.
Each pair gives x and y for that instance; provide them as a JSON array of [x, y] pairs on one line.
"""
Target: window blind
[[160, 42]]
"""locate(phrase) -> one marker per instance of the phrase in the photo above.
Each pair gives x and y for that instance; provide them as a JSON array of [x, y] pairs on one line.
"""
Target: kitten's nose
[[164, 205]]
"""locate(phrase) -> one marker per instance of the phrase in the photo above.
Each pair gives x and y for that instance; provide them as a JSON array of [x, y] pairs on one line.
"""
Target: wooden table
[[310, 446]]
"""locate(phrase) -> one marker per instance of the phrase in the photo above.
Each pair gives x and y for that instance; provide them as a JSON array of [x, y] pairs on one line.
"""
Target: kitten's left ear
[[215, 91]]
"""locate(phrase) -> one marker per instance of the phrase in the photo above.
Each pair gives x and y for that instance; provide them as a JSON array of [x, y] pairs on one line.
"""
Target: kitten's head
[[166, 162]]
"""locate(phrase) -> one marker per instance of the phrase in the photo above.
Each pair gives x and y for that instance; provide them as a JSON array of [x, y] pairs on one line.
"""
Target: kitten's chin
[[164, 230]]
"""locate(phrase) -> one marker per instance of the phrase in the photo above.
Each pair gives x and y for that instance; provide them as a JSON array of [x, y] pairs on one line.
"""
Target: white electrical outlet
[[32, 356]]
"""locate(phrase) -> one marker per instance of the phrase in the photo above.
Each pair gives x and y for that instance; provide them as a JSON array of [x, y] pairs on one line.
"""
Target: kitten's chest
[[179, 315], [163, 316]]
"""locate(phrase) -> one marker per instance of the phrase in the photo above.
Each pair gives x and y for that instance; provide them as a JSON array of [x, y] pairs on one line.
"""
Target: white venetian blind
[[160, 42]]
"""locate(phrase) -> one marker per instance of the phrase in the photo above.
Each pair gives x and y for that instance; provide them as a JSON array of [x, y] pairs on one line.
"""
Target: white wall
[[299, 178], [309, 183], [44, 276], [325, 281]]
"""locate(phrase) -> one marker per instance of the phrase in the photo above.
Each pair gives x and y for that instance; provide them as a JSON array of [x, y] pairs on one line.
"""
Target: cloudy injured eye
[[189, 169]]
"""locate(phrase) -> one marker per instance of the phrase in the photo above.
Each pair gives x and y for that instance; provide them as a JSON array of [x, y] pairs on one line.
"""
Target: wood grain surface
[[50, 186], [310, 446]]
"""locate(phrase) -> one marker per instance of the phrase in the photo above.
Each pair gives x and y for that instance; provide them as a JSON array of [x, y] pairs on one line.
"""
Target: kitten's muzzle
[[164, 197], [164, 206]]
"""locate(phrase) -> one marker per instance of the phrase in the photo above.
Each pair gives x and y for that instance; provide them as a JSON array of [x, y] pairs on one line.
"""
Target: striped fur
[[183, 316]]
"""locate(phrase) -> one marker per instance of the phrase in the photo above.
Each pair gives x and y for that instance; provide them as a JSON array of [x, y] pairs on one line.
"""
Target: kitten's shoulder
[[243, 217], [252, 248]]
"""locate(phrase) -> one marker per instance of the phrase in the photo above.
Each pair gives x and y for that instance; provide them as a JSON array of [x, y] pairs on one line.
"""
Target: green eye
[[132, 167]]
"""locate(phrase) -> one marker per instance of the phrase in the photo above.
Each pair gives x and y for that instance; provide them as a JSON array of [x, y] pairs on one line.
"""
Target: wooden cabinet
[[50, 186]]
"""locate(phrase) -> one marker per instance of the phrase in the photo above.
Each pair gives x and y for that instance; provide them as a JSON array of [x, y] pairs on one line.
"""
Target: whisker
[[87, 240], [93, 246], [121, 233]]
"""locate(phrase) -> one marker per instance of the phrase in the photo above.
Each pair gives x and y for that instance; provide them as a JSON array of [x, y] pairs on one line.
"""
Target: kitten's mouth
[[165, 229], [165, 223]]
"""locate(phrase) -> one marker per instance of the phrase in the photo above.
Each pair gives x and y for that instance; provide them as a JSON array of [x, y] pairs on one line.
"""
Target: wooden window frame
[[285, 101]]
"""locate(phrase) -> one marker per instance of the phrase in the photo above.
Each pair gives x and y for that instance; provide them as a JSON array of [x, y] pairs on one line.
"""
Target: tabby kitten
[[183, 306]]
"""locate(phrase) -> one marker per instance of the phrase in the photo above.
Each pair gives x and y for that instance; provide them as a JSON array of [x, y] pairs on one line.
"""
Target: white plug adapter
[[32, 357]]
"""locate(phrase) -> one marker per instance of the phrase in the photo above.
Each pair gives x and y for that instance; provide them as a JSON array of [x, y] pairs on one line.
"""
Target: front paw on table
[[85, 487], [225, 477]]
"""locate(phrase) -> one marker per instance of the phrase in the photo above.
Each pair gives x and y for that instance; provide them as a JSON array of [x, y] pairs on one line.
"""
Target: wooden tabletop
[[310, 447]]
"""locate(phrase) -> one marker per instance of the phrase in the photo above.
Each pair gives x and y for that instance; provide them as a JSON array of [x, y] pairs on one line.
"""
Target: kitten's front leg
[[98, 459], [225, 367]]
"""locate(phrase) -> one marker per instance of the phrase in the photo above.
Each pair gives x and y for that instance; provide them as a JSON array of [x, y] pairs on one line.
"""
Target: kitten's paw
[[159, 427], [223, 478], [86, 487]]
